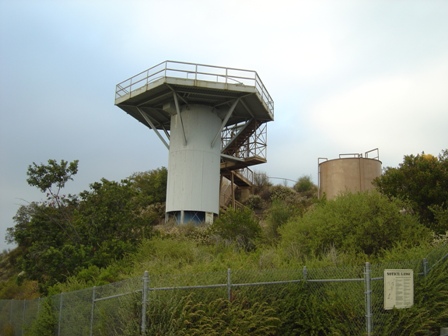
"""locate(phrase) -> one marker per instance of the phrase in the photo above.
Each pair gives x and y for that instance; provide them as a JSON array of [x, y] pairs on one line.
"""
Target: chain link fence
[[327, 301]]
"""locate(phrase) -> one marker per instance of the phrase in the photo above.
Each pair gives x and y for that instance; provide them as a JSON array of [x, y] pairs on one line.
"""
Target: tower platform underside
[[156, 98]]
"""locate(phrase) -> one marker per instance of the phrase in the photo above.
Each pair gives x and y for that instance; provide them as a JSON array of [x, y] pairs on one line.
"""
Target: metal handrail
[[185, 70], [353, 155], [247, 173], [254, 146], [359, 155], [376, 157]]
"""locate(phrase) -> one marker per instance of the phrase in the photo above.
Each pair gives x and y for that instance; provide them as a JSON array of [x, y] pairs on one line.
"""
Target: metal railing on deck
[[195, 71]]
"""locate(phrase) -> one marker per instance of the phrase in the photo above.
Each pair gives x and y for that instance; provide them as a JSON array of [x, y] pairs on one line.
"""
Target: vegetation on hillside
[[65, 234], [114, 230]]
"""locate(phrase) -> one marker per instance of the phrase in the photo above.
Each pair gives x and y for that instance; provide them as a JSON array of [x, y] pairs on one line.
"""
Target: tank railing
[[195, 72], [377, 157], [359, 155], [354, 155]]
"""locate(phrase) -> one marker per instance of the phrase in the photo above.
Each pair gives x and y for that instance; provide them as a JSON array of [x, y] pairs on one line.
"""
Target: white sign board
[[398, 288]]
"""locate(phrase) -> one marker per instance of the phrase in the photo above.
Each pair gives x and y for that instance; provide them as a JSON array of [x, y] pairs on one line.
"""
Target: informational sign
[[398, 288]]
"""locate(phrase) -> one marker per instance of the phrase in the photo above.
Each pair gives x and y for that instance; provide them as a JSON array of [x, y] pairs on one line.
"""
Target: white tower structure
[[213, 122]]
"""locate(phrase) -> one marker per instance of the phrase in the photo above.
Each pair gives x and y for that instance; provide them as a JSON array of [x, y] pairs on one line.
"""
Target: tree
[[261, 184], [46, 177], [48, 247], [45, 232], [306, 186], [64, 234], [109, 222], [423, 181], [18, 234], [151, 185], [307, 190], [50, 179], [150, 195]]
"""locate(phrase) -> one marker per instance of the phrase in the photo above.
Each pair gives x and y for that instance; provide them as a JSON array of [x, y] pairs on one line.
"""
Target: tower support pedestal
[[193, 166]]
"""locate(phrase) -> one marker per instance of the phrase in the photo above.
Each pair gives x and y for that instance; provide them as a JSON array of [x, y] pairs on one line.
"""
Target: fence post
[[60, 313], [144, 301], [23, 314], [92, 310], [425, 266], [368, 291], [10, 310], [229, 285]]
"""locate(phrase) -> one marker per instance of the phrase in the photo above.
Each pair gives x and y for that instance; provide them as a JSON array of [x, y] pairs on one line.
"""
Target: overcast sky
[[345, 76]]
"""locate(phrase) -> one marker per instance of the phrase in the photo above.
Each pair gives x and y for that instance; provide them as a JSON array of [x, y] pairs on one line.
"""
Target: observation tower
[[212, 120]]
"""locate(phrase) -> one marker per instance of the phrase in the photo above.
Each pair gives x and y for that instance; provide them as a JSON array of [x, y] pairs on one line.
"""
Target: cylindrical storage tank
[[347, 175], [194, 165]]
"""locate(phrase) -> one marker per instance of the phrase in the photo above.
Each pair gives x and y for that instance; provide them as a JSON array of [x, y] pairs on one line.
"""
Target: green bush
[[359, 224], [279, 213], [255, 202], [421, 180], [46, 322], [239, 227]]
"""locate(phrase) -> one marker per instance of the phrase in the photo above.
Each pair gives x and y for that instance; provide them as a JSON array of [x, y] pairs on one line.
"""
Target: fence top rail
[[306, 273]]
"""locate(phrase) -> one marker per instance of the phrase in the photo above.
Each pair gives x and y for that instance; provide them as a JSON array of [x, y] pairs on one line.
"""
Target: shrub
[[239, 227], [279, 213], [362, 223], [46, 322], [255, 202]]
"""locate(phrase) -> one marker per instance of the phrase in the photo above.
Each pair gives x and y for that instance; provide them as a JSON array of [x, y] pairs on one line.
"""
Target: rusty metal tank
[[351, 172]]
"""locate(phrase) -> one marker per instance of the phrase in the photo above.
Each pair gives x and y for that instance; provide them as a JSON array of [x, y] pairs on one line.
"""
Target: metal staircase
[[243, 145]]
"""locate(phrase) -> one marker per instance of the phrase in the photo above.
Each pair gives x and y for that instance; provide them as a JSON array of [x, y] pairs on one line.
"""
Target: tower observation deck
[[212, 120]]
